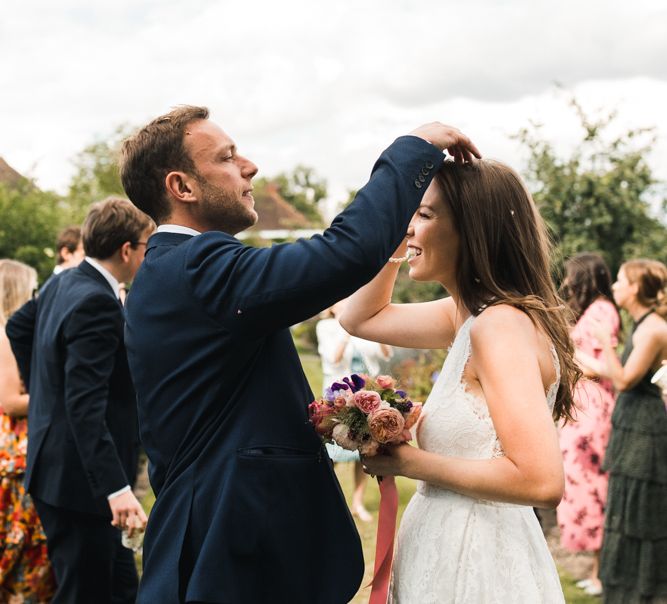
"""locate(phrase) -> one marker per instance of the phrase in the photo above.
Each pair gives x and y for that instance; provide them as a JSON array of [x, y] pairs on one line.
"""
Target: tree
[[598, 198], [30, 222], [301, 188], [96, 175]]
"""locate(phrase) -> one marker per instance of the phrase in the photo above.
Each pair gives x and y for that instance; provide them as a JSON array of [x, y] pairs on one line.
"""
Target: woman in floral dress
[[25, 573], [587, 290]]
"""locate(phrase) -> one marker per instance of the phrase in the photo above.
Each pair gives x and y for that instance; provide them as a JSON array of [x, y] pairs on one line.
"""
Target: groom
[[248, 508]]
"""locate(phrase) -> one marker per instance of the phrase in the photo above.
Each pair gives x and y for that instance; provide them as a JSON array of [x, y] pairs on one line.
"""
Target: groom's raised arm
[[260, 290]]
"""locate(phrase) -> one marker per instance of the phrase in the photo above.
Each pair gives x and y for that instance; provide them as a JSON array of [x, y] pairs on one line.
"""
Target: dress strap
[[460, 350], [638, 321]]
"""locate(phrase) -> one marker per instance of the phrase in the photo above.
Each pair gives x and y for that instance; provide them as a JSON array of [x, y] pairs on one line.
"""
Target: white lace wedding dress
[[456, 549]]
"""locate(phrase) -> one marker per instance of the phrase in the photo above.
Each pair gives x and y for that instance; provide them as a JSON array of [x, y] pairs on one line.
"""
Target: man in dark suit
[[83, 445], [248, 508]]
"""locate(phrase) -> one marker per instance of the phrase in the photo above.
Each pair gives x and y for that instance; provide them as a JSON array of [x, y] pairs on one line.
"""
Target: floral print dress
[[584, 441], [25, 572]]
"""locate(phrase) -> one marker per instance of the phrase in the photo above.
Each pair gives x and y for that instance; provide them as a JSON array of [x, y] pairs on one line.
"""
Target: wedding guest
[[633, 560], [488, 447], [25, 571], [341, 355], [69, 249], [587, 291], [83, 445]]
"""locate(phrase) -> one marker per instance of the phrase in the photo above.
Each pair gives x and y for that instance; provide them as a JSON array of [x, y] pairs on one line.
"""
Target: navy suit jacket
[[248, 508], [82, 417]]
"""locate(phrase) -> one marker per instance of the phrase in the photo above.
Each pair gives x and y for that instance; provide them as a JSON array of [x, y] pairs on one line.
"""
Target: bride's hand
[[394, 460]]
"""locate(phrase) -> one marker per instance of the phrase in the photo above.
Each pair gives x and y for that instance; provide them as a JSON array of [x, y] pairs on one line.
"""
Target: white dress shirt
[[177, 228], [113, 282]]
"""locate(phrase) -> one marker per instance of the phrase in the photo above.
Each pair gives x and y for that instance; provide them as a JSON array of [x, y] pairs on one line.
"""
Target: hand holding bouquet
[[362, 414]]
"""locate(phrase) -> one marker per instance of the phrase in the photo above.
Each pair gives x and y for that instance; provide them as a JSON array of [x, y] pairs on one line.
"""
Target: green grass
[[574, 595]]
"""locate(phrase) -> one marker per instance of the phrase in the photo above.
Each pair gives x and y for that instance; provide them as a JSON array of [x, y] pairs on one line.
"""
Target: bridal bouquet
[[360, 413]]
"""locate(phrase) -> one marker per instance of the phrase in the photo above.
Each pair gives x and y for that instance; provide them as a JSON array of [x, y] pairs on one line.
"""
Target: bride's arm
[[369, 314], [505, 352]]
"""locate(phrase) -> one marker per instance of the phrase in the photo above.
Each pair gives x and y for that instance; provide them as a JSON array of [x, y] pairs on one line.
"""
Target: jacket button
[[425, 172], [418, 184], [421, 178], [429, 165]]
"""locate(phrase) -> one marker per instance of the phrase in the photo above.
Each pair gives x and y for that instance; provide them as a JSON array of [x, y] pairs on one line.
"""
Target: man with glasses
[[83, 445]]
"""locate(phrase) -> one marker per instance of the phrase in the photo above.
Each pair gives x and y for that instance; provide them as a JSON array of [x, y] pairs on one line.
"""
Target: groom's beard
[[223, 211]]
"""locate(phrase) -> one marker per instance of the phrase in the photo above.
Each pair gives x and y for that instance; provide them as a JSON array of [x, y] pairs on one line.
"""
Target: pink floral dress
[[583, 442]]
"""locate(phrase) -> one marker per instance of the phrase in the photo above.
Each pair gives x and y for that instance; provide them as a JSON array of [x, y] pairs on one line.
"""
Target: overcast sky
[[329, 84]]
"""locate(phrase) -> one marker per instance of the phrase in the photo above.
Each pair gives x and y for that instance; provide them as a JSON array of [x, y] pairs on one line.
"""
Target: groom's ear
[[181, 187]]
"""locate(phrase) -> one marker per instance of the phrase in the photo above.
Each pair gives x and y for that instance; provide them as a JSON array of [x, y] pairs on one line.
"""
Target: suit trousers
[[89, 561]]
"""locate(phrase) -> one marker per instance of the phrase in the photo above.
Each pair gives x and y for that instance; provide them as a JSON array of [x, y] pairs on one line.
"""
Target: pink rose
[[339, 402], [346, 395], [385, 381], [369, 448], [367, 400], [413, 415], [341, 434], [320, 415], [386, 425]]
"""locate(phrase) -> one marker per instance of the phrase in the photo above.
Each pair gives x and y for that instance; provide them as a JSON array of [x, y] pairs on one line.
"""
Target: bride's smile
[[433, 241]]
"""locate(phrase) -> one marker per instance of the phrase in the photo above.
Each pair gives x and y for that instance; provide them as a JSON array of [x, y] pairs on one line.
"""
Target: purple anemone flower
[[355, 382], [339, 386]]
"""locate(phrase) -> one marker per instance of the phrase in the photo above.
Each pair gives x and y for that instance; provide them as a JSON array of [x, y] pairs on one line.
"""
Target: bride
[[488, 448]]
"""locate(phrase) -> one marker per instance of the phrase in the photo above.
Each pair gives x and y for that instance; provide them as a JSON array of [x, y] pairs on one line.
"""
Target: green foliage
[[416, 371], [301, 188], [407, 290], [356, 421], [30, 222], [598, 198], [96, 175], [305, 335]]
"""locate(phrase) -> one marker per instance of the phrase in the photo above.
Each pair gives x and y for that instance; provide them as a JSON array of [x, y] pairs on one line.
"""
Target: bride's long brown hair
[[504, 256]]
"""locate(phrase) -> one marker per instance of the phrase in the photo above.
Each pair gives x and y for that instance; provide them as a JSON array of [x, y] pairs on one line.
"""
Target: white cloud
[[324, 84]]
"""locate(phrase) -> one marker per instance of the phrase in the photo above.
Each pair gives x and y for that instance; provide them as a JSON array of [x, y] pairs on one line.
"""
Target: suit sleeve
[[20, 330], [92, 335], [259, 290]]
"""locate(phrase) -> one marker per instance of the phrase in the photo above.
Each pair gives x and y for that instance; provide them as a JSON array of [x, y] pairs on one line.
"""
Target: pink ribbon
[[384, 544]]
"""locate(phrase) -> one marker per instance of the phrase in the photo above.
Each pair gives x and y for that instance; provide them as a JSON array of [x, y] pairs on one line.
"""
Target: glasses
[[136, 243]]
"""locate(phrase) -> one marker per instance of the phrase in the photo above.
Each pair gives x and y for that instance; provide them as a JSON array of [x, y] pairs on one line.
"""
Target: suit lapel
[[91, 272]]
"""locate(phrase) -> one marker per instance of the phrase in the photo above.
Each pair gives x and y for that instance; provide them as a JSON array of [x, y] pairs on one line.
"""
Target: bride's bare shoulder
[[502, 320]]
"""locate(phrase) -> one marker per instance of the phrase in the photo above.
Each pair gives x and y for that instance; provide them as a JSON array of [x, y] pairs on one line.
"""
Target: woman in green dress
[[633, 562]]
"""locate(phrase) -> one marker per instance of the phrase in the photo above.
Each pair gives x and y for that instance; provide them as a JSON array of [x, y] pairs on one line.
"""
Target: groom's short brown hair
[[149, 155]]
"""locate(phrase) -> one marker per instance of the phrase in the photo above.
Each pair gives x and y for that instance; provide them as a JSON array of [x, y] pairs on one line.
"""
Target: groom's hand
[[459, 146]]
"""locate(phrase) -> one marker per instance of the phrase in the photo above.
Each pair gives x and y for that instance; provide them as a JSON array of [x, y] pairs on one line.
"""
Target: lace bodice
[[454, 549], [456, 422]]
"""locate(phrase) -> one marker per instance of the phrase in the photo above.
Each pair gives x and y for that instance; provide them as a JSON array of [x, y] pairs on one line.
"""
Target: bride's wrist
[[409, 463]]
